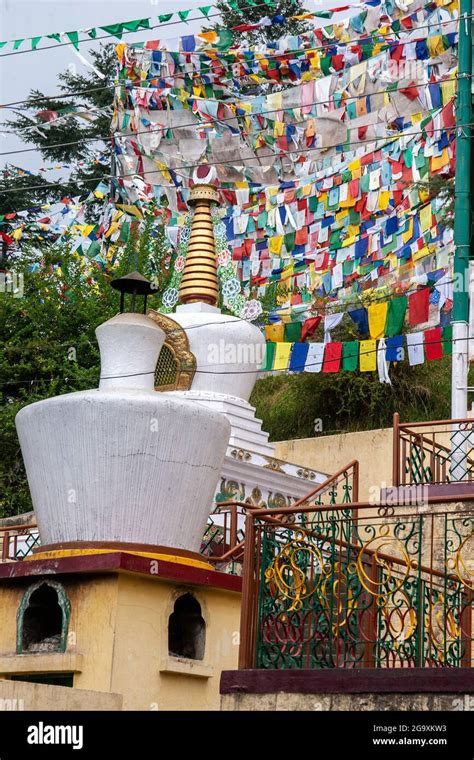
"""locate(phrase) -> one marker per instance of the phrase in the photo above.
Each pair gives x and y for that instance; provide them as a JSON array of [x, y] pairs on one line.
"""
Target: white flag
[[415, 345]]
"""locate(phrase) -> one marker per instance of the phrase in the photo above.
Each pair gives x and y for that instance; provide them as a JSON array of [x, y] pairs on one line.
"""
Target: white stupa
[[123, 464]]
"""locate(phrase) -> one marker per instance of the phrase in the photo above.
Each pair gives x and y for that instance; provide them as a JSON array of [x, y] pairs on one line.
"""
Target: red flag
[[6, 238], [418, 306], [47, 115], [433, 344], [332, 357], [411, 91], [245, 27], [309, 327]]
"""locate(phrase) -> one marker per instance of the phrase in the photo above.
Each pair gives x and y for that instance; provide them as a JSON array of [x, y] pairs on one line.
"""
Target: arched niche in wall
[[43, 618], [187, 629], [176, 364]]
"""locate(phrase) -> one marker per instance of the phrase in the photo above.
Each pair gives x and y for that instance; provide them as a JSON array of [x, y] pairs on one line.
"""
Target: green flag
[[134, 26], [74, 37], [270, 356], [165, 17], [125, 232], [396, 316], [350, 355], [225, 38], [292, 332], [34, 42], [114, 29], [205, 9], [290, 241], [17, 43], [448, 339], [183, 15], [94, 249]]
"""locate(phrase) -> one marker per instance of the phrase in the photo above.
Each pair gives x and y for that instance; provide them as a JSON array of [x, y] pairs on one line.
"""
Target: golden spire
[[199, 280]]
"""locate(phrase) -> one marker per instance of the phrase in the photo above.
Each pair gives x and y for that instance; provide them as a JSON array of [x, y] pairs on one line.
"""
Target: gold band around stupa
[[199, 280]]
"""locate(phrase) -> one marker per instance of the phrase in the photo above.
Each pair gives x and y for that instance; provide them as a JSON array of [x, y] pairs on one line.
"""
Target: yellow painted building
[[154, 634]]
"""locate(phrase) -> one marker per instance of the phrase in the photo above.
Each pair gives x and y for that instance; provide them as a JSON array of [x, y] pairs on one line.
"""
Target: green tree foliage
[[232, 16]]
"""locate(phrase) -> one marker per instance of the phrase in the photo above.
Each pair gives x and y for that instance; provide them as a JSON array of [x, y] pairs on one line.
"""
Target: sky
[[38, 69]]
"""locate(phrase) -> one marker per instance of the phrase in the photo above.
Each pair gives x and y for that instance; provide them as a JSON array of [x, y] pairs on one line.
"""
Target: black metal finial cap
[[136, 285], [133, 283]]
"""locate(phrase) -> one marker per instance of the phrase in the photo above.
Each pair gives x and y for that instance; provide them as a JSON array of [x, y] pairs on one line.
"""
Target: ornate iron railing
[[435, 453], [224, 539], [347, 590]]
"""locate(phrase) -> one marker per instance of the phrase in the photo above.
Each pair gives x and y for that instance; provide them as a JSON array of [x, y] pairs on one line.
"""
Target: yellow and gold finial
[[199, 280]]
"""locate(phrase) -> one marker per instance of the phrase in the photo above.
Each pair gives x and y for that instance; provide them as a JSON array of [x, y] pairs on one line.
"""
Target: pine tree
[[236, 12], [71, 140]]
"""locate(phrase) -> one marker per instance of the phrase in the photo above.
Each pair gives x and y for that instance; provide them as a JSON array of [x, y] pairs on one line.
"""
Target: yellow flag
[[275, 243], [425, 217], [377, 317], [435, 45], [208, 36], [384, 199], [275, 333], [409, 232], [437, 162], [282, 355], [368, 355]]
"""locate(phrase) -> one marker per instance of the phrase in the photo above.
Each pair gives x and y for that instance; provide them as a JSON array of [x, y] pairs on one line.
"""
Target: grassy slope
[[348, 401]]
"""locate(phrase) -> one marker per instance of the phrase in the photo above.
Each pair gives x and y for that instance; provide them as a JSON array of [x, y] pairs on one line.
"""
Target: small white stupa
[[123, 464]]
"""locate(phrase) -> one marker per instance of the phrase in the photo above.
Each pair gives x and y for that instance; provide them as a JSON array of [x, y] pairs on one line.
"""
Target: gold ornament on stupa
[[199, 281]]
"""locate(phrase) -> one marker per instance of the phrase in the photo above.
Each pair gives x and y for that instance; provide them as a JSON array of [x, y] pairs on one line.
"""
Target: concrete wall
[[373, 449], [19, 695], [353, 702], [142, 668]]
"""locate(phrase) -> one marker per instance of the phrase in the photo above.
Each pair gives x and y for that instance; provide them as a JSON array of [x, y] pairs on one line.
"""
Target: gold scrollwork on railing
[[376, 546], [287, 575], [336, 596], [462, 563], [441, 625], [400, 617]]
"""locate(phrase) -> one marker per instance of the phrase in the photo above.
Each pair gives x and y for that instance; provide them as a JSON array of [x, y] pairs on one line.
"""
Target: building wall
[[118, 640], [91, 631], [143, 670], [329, 453], [373, 449], [19, 695]]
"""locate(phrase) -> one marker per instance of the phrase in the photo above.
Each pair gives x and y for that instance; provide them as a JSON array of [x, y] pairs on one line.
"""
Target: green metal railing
[[433, 453], [347, 590]]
